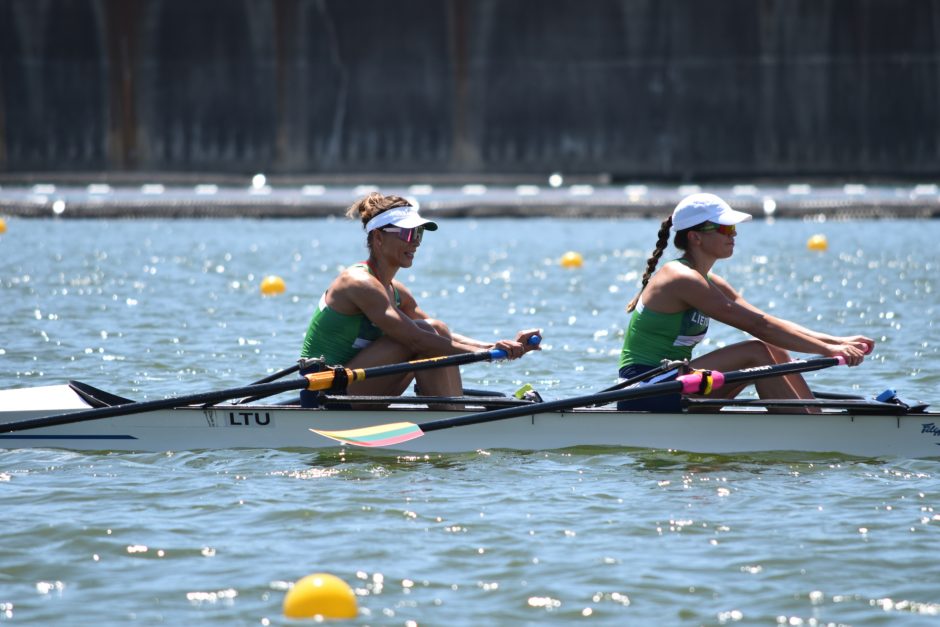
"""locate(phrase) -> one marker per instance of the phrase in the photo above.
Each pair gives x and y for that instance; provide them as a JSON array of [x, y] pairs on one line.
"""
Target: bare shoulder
[[670, 288], [354, 290], [679, 274], [355, 277]]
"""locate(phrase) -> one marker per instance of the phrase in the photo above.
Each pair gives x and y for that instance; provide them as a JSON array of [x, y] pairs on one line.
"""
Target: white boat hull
[[277, 426]]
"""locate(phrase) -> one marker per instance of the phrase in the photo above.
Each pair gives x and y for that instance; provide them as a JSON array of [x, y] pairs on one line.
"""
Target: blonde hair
[[372, 205]]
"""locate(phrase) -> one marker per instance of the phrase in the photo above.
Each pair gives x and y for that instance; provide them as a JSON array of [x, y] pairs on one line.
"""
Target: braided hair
[[661, 242]]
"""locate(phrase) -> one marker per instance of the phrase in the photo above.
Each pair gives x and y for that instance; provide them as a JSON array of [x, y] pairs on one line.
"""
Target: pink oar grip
[[840, 359], [690, 382]]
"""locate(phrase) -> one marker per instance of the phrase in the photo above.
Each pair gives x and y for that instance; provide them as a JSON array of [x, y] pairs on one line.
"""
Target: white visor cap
[[404, 217], [699, 208]]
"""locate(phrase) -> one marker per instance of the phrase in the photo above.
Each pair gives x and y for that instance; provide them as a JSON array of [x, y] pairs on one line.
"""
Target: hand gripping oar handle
[[694, 383], [315, 381]]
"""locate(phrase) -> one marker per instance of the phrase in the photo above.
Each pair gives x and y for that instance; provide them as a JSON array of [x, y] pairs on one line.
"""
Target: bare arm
[[517, 347], [718, 300], [370, 297], [863, 343], [356, 292]]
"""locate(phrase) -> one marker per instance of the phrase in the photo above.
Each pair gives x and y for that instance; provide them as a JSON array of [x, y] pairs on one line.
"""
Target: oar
[[315, 381], [280, 374], [699, 382], [274, 376], [664, 366]]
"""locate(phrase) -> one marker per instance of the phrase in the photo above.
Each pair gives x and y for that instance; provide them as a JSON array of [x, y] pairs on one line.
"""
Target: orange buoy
[[571, 259], [817, 242], [320, 595], [272, 285]]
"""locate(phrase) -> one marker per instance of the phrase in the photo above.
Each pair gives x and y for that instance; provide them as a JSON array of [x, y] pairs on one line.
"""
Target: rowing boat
[[853, 427]]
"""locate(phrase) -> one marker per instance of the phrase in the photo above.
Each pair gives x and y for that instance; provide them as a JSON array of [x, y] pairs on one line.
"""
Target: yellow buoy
[[320, 595], [272, 285], [3, 226], [817, 242], [571, 259]]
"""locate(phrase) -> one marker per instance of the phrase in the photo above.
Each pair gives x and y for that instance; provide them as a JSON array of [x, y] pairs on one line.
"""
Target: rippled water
[[148, 309]]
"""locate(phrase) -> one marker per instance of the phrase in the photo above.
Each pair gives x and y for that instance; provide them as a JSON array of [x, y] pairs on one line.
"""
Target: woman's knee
[[434, 326], [779, 355], [765, 353]]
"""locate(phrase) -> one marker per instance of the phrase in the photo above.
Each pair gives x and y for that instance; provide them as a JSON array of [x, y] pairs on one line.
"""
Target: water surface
[[148, 309]]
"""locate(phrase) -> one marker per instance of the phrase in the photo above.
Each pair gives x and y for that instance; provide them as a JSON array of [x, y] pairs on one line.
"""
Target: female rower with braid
[[671, 312], [369, 318]]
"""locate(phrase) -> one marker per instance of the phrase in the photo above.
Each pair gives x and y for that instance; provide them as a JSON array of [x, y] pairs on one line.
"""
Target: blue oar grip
[[498, 353]]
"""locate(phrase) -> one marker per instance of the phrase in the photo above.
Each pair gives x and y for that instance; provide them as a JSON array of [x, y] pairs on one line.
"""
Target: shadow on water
[[671, 460], [638, 458], [353, 461], [391, 460]]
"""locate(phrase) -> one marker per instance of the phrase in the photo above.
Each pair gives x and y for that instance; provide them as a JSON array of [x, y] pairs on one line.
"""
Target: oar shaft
[[361, 374], [687, 384], [324, 380], [274, 376], [649, 374]]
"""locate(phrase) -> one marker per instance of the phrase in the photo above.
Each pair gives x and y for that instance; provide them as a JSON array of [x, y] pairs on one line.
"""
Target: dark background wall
[[674, 89]]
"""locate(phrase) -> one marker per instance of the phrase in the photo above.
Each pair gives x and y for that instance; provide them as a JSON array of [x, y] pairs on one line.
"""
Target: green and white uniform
[[652, 336], [338, 337]]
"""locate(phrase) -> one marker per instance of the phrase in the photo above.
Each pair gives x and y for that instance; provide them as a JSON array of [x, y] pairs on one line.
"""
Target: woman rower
[[671, 312], [368, 318]]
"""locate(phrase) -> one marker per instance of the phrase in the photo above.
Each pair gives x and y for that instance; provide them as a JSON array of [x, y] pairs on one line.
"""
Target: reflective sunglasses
[[411, 236], [724, 229]]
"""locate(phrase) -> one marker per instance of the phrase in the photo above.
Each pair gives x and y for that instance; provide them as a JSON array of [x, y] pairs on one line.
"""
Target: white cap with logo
[[699, 208]]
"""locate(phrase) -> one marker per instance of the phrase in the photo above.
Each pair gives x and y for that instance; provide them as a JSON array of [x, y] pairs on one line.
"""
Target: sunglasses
[[724, 229], [411, 236]]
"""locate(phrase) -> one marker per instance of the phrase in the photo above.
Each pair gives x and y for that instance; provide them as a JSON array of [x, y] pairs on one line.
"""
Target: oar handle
[[498, 353]]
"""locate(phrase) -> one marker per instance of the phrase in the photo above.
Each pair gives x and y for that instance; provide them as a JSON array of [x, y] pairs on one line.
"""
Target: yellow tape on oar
[[707, 382], [337, 378]]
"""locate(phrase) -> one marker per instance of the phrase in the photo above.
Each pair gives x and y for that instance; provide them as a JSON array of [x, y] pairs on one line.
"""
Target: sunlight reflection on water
[[151, 307]]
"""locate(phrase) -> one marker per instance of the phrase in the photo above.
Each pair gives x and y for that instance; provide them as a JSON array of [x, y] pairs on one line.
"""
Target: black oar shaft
[[274, 376], [644, 376], [424, 364], [646, 391]]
